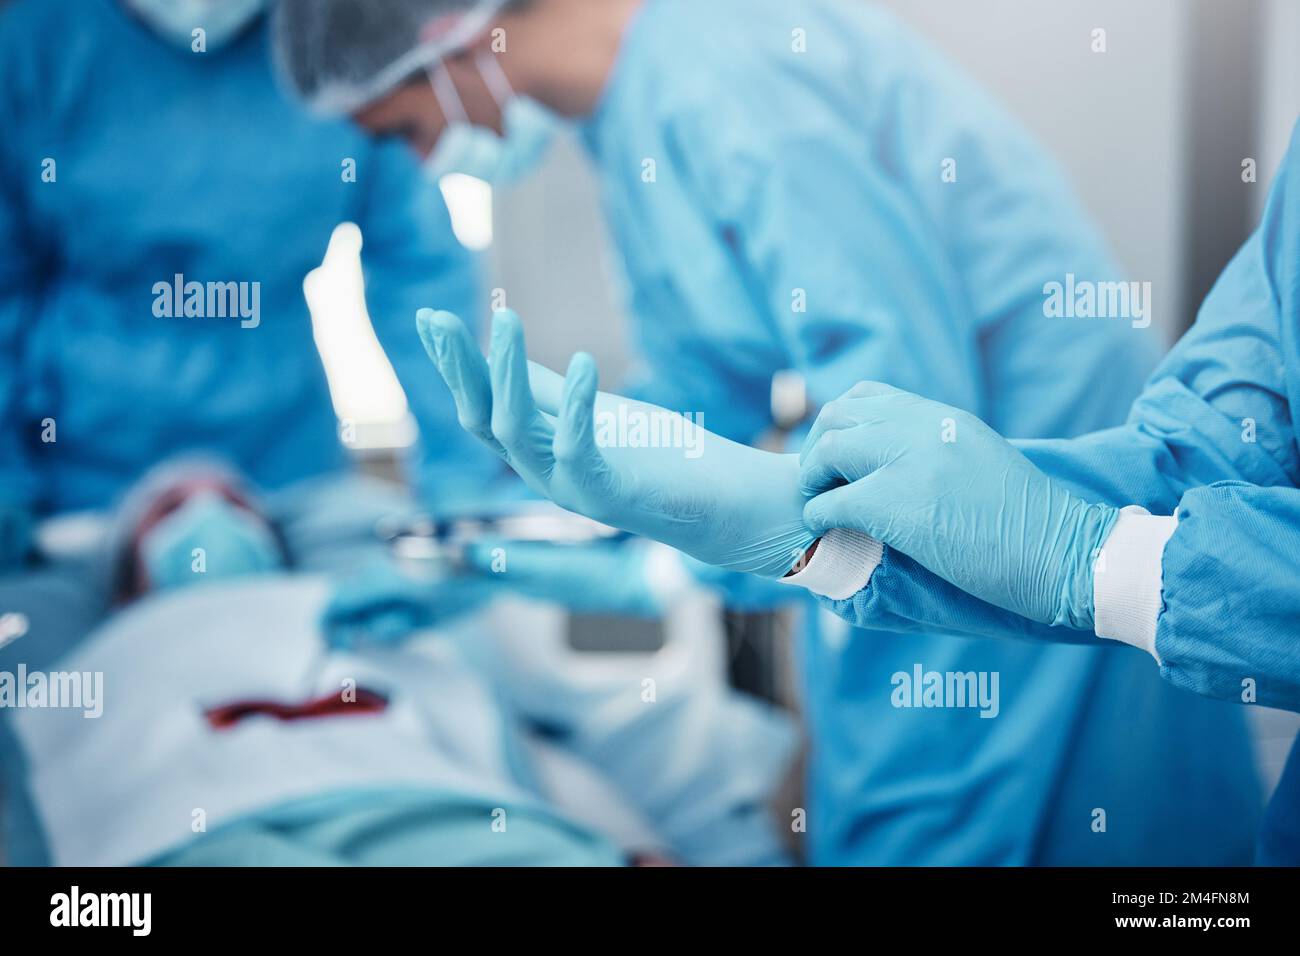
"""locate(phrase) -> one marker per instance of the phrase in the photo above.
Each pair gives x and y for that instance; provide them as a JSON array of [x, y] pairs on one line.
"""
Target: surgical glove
[[16, 529], [625, 577], [208, 539], [383, 605], [942, 487], [723, 503]]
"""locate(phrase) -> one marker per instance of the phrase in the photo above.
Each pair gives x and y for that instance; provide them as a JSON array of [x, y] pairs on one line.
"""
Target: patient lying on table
[[230, 735]]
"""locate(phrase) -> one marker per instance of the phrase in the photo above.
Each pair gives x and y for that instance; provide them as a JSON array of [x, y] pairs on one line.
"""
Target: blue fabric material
[[62, 604], [398, 828], [384, 604], [16, 528], [1279, 839], [171, 162], [780, 209], [1232, 600]]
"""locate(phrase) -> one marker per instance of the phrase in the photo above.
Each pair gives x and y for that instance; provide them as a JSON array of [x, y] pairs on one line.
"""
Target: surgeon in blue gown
[[129, 158], [804, 184], [135, 151]]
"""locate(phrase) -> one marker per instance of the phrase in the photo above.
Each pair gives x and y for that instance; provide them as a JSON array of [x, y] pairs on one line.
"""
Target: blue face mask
[[207, 539], [477, 151], [175, 20]]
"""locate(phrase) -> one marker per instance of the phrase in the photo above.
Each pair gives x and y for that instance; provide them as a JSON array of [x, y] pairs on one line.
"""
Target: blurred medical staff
[[134, 162], [147, 146], [803, 184]]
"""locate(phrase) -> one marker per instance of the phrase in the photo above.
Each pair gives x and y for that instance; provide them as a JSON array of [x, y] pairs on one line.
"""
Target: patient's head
[[192, 524]]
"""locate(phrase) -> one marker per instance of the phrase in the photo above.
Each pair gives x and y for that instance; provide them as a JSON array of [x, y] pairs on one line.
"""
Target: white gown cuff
[[841, 566], [1127, 579]]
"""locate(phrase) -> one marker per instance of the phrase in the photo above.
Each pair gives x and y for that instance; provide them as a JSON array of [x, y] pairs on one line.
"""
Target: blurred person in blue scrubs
[[804, 184], [161, 202]]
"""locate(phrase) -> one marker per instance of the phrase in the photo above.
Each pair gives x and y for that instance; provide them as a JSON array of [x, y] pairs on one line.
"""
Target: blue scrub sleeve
[[1279, 836], [1231, 600], [413, 260]]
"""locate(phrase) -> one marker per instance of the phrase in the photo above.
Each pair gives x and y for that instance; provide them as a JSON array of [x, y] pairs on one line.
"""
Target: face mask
[[234, 543], [529, 126], [477, 151], [462, 147], [175, 20]]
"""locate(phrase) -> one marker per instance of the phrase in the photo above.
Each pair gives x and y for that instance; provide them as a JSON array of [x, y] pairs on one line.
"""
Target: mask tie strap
[[494, 77], [444, 91]]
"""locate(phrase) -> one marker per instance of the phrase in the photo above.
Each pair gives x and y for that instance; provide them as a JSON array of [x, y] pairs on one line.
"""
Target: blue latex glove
[[16, 529], [381, 605], [606, 578], [971, 508], [723, 503]]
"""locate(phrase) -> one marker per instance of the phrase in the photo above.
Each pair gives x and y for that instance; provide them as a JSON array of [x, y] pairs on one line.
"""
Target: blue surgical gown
[[1279, 838], [161, 162], [803, 184]]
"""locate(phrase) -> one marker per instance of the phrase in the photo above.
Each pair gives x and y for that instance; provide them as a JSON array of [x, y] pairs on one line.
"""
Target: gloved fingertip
[[506, 341], [435, 328], [580, 388], [872, 389], [582, 366], [506, 324], [437, 321], [574, 439]]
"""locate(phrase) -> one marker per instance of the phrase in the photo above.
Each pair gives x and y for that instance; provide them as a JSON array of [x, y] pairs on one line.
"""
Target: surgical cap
[[339, 55]]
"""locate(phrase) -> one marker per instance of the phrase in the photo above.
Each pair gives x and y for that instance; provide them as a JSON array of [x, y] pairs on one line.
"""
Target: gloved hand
[[945, 489], [16, 529], [723, 503], [603, 578], [382, 605]]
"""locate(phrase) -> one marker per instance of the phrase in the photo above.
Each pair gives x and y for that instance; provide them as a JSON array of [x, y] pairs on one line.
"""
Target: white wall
[[552, 258], [1113, 119]]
